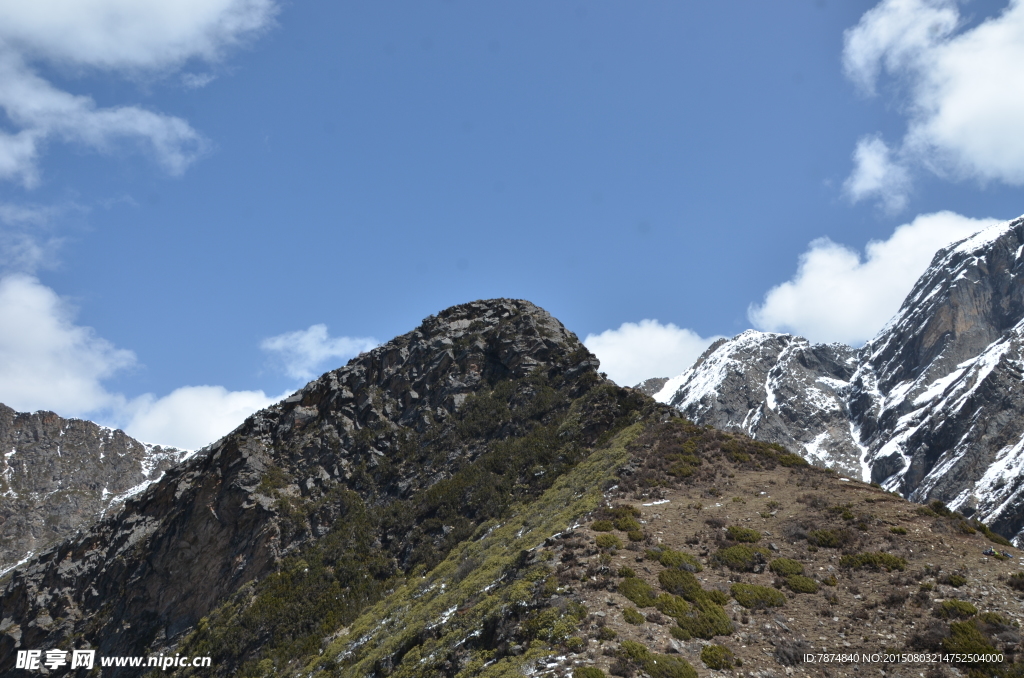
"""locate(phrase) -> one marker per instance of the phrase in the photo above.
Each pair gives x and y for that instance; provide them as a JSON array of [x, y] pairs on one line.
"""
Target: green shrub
[[743, 534], [587, 672], [718, 657], [680, 582], [678, 559], [635, 535], [791, 460], [1016, 581], [874, 560], [705, 619], [633, 616], [801, 584], [602, 526], [829, 539], [673, 606], [637, 591], [955, 609], [626, 572], [741, 558], [627, 524], [608, 541], [989, 534], [606, 633], [954, 580], [656, 665], [785, 567], [754, 597], [965, 638], [681, 470], [898, 530]]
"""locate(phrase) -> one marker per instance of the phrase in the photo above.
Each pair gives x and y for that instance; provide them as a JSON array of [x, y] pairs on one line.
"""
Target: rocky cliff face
[[932, 407], [366, 474], [57, 475]]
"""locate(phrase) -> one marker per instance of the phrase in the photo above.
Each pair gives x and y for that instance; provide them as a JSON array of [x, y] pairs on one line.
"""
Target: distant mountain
[[932, 407], [58, 475], [651, 386]]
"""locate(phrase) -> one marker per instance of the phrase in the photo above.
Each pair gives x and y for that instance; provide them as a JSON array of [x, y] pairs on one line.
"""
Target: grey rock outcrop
[[651, 386], [57, 475], [932, 407]]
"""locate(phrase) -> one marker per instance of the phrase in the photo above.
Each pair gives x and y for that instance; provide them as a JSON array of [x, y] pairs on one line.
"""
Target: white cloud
[[122, 36], [876, 175], [48, 362], [836, 295], [964, 87], [304, 352], [192, 416], [639, 351], [130, 35]]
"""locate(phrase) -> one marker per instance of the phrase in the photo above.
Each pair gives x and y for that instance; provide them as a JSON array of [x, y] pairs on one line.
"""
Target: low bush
[[705, 619], [801, 584], [874, 560], [1016, 581], [955, 609], [627, 524], [898, 530], [608, 541], [785, 567], [655, 665], [673, 606], [676, 559], [829, 539], [741, 558], [633, 616], [602, 526], [965, 638], [754, 597], [587, 672], [954, 580], [635, 535], [743, 534], [637, 591], [718, 657]]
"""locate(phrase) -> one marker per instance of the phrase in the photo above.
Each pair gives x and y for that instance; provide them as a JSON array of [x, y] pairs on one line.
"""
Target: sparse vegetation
[[873, 560], [785, 567], [633, 616], [608, 541], [741, 558], [718, 657], [955, 609], [754, 597], [743, 534]]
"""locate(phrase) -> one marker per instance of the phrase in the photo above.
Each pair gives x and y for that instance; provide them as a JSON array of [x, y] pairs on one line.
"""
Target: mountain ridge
[[928, 407]]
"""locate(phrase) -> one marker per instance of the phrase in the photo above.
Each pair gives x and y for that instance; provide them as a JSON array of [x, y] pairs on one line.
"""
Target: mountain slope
[[366, 474], [931, 407], [57, 475]]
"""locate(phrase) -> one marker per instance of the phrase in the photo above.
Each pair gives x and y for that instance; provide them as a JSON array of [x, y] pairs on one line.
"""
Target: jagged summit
[[930, 407], [371, 470]]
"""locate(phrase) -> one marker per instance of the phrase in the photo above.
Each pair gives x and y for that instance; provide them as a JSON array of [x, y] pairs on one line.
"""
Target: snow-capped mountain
[[932, 407], [57, 475]]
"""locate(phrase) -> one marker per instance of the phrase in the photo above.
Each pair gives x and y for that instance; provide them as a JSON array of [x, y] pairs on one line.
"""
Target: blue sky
[[240, 194]]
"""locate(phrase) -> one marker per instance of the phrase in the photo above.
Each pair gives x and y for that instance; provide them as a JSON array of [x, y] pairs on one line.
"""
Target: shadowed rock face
[[932, 407], [57, 475], [416, 414]]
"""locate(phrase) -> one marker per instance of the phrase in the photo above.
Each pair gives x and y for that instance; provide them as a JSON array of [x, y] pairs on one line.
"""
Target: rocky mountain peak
[[370, 471], [932, 407]]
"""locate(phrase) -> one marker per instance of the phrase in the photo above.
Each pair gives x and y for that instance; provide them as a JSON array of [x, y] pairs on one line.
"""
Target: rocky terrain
[[315, 508], [931, 407], [58, 475], [474, 499], [675, 551]]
